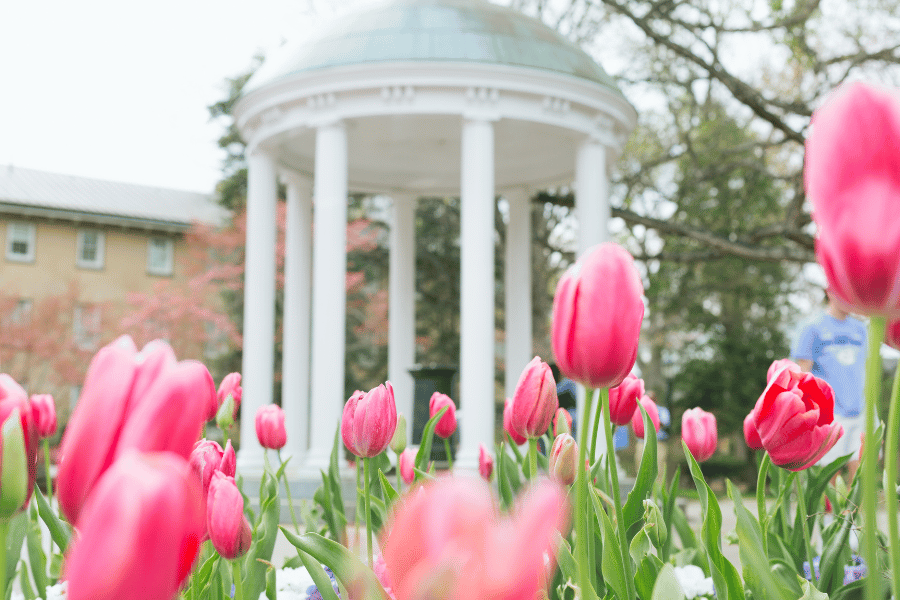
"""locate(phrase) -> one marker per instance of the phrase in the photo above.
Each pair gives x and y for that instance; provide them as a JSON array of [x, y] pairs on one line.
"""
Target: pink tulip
[[851, 177], [892, 334], [782, 363], [623, 399], [139, 532], [562, 422], [517, 438], [751, 436], [485, 463], [145, 401], [270, 429], [698, 430], [535, 400], [369, 421], [208, 458], [447, 425], [13, 397], [407, 465], [44, 412], [230, 386], [795, 420], [637, 420], [597, 314], [229, 530], [563, 459], [447, 541]]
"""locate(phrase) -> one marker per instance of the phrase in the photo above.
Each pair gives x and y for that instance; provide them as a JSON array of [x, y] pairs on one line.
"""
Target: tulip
[[44, 412], [208, 458], [623, 399], [563, 461], [447, 541], [782, 363], [698, 430], [751, 436], [407, 462], [892, 334], [229, 530], [230, 387], [398, 441], [139, 531], [795, 420], [145, 401], [637, 420], [14, 477], [270, 429], [13, 398], [517, 438], [850, 173], [369, 421], [597, 314], [562, 422], [447, 425], [485, 463], [535, 400]]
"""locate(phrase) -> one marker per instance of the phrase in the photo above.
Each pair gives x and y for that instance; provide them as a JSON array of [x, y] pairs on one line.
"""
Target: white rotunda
[[406, 99]]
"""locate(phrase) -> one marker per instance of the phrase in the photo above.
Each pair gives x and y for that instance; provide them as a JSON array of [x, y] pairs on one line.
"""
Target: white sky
[[119, 90]]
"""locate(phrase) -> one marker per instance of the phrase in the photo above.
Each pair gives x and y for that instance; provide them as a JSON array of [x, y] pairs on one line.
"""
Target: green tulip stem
[[368, 509], [399, 476], [356, 508], [870, 458], [236, 576], [4, 530], [597, 415], [447, 451], [761, 497], [46, 442], [582, 532], [804, 527], [890, 466], [617, 497], [532, 458], [287, 489]]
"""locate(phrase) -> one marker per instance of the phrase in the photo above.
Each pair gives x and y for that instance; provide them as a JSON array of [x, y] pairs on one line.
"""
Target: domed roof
[[468, 31]]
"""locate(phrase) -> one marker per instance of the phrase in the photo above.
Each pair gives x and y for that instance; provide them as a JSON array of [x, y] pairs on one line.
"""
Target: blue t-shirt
[[837, 350]]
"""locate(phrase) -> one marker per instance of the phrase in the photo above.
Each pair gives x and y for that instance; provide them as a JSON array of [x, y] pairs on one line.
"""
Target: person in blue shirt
[[833, 347]]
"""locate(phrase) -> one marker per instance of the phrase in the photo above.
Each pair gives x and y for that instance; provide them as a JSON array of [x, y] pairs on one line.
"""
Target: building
[[73, 250]]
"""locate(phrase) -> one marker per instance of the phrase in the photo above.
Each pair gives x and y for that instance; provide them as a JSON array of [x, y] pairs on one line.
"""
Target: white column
[[476, 385], [259, 305], [296, 321], [518, 288], [329, 292], [402, 307], [592, 211]]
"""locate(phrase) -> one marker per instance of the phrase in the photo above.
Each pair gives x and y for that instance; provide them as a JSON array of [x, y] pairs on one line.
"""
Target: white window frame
[[165, 269], [19, 231], [99, 257]]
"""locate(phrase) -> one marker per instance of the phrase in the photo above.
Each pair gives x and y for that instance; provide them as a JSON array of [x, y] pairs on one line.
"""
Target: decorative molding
[[325, 100], [483, 95], [558, 105], [398, 93]]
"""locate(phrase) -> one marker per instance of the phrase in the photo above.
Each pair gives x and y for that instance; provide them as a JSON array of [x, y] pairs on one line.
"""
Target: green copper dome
[[467, 31]]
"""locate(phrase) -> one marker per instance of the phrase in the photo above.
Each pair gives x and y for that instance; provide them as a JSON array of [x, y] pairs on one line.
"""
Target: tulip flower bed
[[149, 510]]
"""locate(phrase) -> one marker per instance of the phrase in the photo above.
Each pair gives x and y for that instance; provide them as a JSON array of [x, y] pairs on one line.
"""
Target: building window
[[20, 241], [159, 256], [90, 248], [21, 313], [86, 326]]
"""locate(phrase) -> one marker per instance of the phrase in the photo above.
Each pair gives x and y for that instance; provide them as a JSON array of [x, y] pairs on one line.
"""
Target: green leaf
[[15, 537], [503, 484], [271, 583], [323, 582], [640, 546], [262, 547], [611, 565], [201, 578], [646, 477], [424, 453], [567, 565], [59, 531], [647, 574], [322, 497], [347, 568], [785, 575], [850, 591], [25, 583], [835, 551], [667, 586], [36, 557], [388, 490], [810, 592]]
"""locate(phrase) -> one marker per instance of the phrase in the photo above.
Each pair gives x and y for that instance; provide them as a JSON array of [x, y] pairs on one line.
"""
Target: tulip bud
[[229, 530], [447, 425], [43, 410], [225, 414], [229, 460], [623, 399], [656, 525], [13, 467], [562, 422], [517, 438], [564, 459], [270, 427], [535, 400], [231, 387], [398, 442], [698, 430], [14, 400], [637, 421], [485, 463], [407, 463], [369, 421]]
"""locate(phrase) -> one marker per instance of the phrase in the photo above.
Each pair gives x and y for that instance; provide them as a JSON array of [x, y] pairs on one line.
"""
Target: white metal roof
[[38, 193]]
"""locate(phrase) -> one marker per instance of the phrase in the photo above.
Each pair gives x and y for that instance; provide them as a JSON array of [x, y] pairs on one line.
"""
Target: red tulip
[[517, 438], [229, 530], [563, 459], [13, 397], [270, 429], [143, 401], [485, 463], [637, 419], [369, 421], [447, 425], [407, 464], [597, 314], [892, 334], [139, 531], [623, 399], [230, 386], [751, 436], [447, 541], [535, 400], [852, 178], [43, 410], [562, 422], [781, 363], [698, 430], [795, 420]]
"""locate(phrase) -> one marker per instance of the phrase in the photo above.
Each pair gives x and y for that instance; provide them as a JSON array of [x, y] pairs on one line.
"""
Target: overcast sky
[[119, 90]]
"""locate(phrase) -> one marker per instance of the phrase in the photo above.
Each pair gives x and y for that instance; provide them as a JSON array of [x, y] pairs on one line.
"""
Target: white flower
[[58, 591], [693, 582]]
